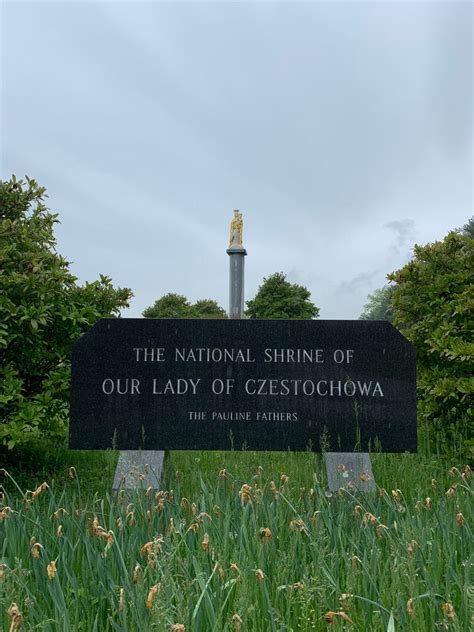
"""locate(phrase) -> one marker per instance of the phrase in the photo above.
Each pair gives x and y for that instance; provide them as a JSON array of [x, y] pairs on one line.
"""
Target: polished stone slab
[[197, 384]]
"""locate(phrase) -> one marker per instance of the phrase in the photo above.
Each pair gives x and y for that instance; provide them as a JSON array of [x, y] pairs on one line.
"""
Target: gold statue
[[236, 229]]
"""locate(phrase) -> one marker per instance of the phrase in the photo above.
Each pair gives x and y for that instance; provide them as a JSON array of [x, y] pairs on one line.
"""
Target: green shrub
[[42, 312], [433, 304]]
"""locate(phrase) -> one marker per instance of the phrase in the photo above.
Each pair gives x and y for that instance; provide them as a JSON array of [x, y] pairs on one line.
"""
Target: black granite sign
[[255, 384]]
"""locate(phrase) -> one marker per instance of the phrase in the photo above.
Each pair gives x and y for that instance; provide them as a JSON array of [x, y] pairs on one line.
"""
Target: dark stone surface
[[384, 419]]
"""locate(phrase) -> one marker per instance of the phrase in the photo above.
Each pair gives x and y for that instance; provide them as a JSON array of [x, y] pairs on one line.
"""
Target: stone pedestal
[[236, 281], [349, 470], [138, 468]]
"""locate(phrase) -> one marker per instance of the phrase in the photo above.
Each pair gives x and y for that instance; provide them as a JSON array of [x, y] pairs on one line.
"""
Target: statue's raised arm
[[236, 230]]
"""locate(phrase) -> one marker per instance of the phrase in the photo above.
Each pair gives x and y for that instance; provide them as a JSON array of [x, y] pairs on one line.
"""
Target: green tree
[[379, 305], [433, 305], [177, 306], [207, 308], [468, 228], [278, 298], [42, 312], [169, 306]]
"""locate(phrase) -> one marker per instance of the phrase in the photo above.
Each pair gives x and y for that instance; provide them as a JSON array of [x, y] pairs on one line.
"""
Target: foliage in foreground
[[43, 311], [433, 303], [257, 553]]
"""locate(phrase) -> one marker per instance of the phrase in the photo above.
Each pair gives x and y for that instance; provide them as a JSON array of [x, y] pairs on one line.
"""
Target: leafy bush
[[433, 305], [42, 312]]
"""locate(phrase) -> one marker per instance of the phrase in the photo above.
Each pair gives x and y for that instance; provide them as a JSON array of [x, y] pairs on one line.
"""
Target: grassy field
[[239, 541]]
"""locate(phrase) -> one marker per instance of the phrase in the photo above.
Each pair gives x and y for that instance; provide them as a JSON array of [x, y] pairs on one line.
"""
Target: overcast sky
[[341, 130]]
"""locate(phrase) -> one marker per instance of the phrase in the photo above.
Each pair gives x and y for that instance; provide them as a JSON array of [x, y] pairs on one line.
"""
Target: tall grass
[[243, 542]]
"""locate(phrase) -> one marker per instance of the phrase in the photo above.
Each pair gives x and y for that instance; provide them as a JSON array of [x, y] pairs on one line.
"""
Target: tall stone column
[[236, 281], [237, 254]]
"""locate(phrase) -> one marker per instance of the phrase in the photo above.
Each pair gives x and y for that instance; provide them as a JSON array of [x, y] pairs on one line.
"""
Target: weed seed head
[[151, 594], [245, 494], [35, 549], [451, 491], [15, 617], [136, 573], [51, 568], [344, 600], [448, 610], [396, 495], [265, 533], [378, 530], [330, 616], [297, 525], [39, 490], [4, 513]]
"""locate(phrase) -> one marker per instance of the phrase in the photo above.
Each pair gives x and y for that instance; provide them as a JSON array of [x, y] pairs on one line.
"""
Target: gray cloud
[[404, 233], [327, 124]]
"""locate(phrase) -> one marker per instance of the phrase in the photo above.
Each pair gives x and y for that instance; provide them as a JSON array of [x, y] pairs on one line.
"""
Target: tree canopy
[[42, 312], [177, 306], [379, 305], [278, 298], [433, 303]]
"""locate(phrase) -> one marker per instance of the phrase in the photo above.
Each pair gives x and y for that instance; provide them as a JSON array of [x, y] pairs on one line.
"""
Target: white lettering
[[305, 387], [334, 385], [110, 386], [364, 387], [194, 384], [379, 389], [318, 388], [247, 384], [217, 387], [353, 389]]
